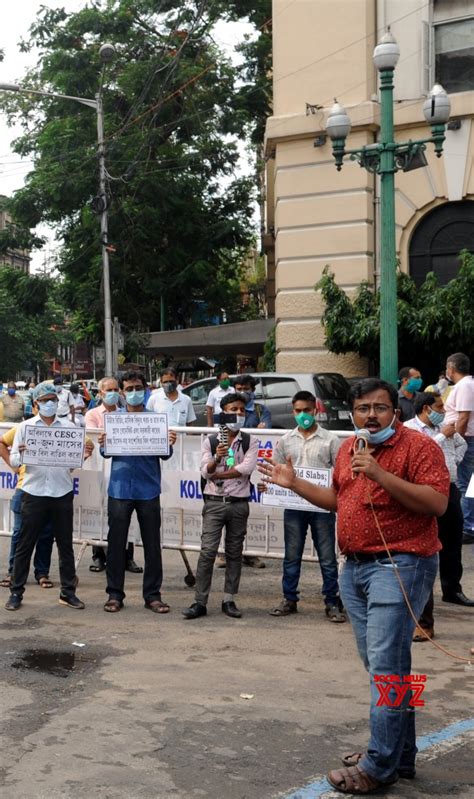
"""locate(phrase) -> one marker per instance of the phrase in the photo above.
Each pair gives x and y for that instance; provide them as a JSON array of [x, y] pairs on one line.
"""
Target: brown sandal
[[356, 781], [44, 582], [6, 582], [113, 606], [157, 606]]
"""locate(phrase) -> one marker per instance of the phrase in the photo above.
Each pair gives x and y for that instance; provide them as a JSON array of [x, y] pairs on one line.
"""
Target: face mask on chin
[[381, 435]]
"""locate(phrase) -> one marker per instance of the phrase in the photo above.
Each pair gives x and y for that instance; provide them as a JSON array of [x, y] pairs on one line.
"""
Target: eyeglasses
[[379, 409]]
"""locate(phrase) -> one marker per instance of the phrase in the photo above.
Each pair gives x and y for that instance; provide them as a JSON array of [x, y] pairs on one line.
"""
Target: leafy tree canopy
[[30, 315], [179, 216], [431, 318]]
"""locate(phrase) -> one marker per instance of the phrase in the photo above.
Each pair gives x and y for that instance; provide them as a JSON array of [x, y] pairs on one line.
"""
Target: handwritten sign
[[284, 498], [136, 434], [54, 446]]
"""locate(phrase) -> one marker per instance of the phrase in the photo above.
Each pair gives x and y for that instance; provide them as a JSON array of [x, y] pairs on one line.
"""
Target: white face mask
[[235, 426]]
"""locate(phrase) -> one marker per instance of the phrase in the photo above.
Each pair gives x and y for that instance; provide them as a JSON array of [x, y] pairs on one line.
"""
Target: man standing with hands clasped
[[310, 446], [387, 497], [135, 484], [47, 495]]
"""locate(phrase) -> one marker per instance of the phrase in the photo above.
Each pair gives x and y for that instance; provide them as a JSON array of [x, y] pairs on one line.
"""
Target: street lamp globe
[[437, 106], [387, 52], [107, 52], [338, 123]]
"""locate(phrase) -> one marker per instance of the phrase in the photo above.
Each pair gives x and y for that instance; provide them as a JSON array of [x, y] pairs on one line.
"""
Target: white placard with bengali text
[[136, 434], [285, 498], [54, 446]]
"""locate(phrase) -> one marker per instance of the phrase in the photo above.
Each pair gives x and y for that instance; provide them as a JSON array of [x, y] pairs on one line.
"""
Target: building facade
[[316, 215], [19, 259]]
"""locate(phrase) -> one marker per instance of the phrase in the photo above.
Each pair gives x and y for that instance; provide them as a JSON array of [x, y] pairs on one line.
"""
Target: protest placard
[[136, 434], [284, 498], [54, 446]]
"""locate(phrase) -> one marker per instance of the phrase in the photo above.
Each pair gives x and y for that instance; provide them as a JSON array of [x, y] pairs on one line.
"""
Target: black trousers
[[149, 519], [450, 532], [36, 512]]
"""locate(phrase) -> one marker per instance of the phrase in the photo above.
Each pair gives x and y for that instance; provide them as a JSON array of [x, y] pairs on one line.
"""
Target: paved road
[[151, 706]]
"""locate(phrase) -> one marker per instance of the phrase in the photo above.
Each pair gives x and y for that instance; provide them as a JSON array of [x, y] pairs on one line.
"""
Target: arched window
[[438, 239]]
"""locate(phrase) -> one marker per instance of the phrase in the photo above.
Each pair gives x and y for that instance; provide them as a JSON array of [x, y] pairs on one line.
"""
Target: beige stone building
[[316, 215]]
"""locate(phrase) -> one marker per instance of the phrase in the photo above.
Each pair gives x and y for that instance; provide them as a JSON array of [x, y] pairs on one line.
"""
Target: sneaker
[[285, 607], [335, 614], [72, 601], [14, 602]]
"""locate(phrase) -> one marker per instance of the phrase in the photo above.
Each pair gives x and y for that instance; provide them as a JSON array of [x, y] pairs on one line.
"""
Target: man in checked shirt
[[310, 446], [227, 468]]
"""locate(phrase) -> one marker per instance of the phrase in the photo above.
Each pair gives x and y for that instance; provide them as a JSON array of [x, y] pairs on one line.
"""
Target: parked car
[[276, 391]]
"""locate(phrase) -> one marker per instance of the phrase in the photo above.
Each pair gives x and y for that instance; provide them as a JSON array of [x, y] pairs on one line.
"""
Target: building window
[[438, 239], [454, 55]]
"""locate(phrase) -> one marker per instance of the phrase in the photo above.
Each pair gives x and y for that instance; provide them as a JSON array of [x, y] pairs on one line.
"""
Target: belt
[[368, 557], [225, 499]]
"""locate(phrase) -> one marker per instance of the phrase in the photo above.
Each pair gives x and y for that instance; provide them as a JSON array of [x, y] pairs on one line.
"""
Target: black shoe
[[14, 602], [468, 538], [195, 611], [459, 599], [72, 601], [231, 609], [133, 567], [97, 565], [335, 614]]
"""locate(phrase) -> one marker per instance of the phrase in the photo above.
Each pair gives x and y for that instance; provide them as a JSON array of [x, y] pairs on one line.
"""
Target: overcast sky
[[14, 26]]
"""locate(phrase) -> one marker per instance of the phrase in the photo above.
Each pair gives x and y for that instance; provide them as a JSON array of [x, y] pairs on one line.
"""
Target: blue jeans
[[44, 547], [383, 629], [323, 533], [465, 470]]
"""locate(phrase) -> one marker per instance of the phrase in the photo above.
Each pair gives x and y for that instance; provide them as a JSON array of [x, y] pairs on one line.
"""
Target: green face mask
[[224, 383], [305, 420]]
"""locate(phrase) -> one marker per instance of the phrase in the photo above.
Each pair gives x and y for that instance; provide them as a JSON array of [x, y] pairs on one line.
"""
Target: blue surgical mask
[[48, 408], [135, 398], [111, 397], [414, 384], [436, 418], [381, 435], [12, 392]]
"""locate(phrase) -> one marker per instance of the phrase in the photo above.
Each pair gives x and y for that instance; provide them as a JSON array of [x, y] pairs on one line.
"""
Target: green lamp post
[[386, 157]]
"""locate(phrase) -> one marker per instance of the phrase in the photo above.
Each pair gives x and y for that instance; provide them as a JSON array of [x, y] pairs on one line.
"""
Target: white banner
[[136, 434], [285, 498], [53, 446]]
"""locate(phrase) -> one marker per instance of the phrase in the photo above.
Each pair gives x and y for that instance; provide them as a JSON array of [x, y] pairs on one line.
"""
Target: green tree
[[432, 319], [180, 218], [31, 316]]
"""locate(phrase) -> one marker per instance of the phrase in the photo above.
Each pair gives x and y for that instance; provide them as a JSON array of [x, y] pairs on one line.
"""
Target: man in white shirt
[[47, 495], [460, 410], [168, 399], [213, 404], [429, 420], [66, 405]]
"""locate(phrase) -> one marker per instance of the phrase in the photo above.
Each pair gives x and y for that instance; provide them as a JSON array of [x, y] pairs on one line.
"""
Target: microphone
[[362, 439], [361, 442]]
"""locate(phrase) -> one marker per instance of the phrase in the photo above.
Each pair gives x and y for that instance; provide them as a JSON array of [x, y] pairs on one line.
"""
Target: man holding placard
[[312, 449], [51, 446], [136, 441]]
